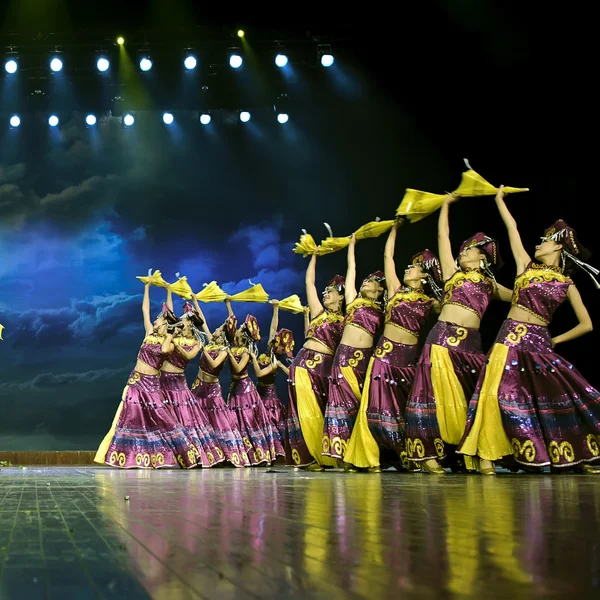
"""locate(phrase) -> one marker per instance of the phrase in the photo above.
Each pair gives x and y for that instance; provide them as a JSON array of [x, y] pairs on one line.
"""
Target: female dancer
[[207, 390], [451, 359], [181, 347], [380, 421], [530, 402], [364, 317], [308, 384], [281, 345], [260, 437], [144, 432]]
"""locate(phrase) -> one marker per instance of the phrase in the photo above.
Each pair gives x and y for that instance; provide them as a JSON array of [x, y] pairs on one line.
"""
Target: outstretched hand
[[500, 194], [451, 198]]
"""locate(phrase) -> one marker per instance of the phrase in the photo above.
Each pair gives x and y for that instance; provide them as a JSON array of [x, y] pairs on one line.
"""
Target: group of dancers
[[365, 403]]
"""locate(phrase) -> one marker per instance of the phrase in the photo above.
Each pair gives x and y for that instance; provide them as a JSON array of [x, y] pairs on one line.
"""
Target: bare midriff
[[169, 368], [203, 376], [356, 337], [518, 314], [400, 336], [317, 346], [142, 367], [451, 313]]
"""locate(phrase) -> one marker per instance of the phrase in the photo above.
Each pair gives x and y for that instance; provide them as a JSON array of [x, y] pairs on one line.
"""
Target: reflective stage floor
[[79, 533]]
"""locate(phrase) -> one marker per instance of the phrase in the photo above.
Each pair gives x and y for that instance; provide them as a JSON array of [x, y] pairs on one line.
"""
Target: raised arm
[[444, 246], [205, 327], [238, 367], [389, 266], [215, 362], [170, 298], [230, 312], [146, 310], [274, 319], [516, 245], [312, 296], [284, 368], [306, 320], [583, 316], [351, 292]]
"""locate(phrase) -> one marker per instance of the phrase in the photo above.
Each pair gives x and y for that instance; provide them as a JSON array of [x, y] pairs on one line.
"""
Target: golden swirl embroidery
[[338, 446], [219, 452], [404, 459], [134, 379], [386, 348], [246, 442], [191, 456], [235, 459], [519, 333], [358, 303], [563, 449], [238, 350], [181, 461], [184, 341], [312, 363], [211, 458], [244, 455], [461, 334], [404, 295], [154, 339], [322, 318], [142, 459], [593, 444], [358, 356], [325, 445], [439, 447], [195, 384], [117, 457], [537, 274], [415, 447], [526, 449], [460, 278], [258, 452], [160, 459]]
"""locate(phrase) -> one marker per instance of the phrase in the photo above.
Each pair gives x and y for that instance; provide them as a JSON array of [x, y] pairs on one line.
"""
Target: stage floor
[[79, 533]]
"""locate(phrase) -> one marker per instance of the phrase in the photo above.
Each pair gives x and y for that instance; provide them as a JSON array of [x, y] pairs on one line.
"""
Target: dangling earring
[[482, 264], [423, 281]]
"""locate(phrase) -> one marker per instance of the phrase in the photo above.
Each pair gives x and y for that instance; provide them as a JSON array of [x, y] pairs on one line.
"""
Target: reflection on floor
[[79, 533]]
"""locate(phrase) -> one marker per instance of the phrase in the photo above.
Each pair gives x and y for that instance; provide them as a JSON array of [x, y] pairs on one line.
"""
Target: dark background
[[415, 88]]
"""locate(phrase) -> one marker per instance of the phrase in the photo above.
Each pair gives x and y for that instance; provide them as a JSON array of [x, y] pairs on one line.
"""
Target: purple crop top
[[151, 351], [205, 366], [471, 289], [264, 360], [327, 328], [176, 358], [364, 314], [540, 290], [408, 309]]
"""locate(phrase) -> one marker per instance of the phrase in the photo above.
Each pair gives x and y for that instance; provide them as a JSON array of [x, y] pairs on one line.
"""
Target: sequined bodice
[[408, 309], [214, 351], [470, 289], [176, 358], [238, 352], [264, 360], [540, 290], [365, 314], [151, 351], [327, 328]]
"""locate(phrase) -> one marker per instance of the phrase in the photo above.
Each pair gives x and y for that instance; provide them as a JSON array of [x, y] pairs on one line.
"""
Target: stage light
[[281, 60], [56, 64], [11, 65], [205, 118], [53, 121], [325, 55], [167, 118], [120, 41], [283, 118], [244, 116], [128, 120], [235, 61], [102, 64], [145, 62], [190, 62], [15, 121], [281, 108], [241, 33], [90, 120]]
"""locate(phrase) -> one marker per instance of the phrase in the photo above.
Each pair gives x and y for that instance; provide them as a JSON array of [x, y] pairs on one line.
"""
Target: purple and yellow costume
[[145, 433], [449, 366], [210, 401], [347, 376], [380, 423], [529, 402], [308, 388], [185, 406], [261, 438], [268, 392]]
